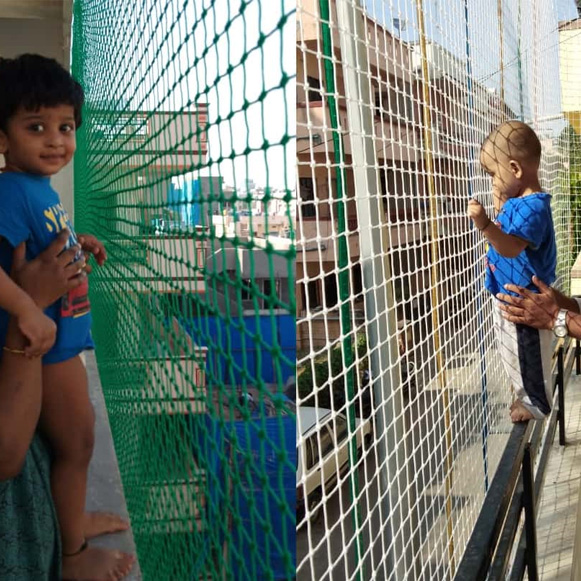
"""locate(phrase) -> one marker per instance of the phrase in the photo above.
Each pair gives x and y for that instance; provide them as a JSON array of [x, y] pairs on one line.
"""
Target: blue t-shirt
[[528, 218], [31, 212]]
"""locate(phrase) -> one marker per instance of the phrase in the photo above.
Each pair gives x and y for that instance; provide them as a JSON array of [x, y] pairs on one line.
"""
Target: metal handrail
[[516, 487]]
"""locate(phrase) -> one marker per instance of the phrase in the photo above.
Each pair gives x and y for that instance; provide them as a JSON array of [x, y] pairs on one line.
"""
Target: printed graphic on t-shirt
[[76, 302]]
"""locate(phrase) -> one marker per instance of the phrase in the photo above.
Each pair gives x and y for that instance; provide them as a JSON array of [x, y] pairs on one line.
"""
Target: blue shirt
[[31, 212], [528, 218]]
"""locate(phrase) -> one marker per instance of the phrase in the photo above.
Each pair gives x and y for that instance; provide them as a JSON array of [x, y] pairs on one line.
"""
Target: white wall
[[48, 38], [570, 65]]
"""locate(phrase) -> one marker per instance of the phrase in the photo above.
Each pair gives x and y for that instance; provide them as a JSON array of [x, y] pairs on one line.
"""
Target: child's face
[[39, 142], [505, 172]]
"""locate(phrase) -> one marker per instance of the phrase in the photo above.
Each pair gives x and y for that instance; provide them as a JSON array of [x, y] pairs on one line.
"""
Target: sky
[[386, 10], [238, 56], [255, 85], [207, 51], [566, 9], [532, 61]]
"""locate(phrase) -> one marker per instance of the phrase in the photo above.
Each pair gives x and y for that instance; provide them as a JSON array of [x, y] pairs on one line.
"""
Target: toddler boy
[[40, 110], [521, 243]]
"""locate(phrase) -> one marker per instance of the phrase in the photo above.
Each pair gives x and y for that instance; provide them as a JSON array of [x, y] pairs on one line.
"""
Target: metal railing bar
[[478, 554]]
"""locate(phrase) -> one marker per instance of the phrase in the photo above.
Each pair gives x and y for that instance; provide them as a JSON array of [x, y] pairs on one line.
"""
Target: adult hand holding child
[[540, 309], [29, 540], [52, 275]]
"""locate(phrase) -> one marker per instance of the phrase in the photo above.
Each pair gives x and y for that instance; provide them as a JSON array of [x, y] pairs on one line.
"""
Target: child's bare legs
[[67, 419], [519, 413], [96, 524]]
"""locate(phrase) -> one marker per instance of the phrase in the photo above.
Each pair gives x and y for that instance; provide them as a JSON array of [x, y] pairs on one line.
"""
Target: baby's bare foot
[[103, 523], [96, 564], [519, 413]]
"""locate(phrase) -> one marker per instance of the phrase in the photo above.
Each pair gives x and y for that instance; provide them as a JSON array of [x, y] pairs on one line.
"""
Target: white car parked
[[323, 454]]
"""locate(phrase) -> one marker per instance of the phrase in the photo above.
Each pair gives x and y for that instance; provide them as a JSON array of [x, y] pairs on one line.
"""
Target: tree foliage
[[571, 142], [328, 389]]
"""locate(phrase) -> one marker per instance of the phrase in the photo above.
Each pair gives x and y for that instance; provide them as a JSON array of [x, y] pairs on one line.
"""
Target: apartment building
[[317, 211], [399, 104]]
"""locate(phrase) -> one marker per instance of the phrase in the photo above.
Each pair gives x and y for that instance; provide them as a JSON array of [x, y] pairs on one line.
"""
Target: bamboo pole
[[501, 47], [435, 237]]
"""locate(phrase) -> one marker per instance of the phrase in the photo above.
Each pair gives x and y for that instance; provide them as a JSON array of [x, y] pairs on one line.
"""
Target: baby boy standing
[[521, 244]]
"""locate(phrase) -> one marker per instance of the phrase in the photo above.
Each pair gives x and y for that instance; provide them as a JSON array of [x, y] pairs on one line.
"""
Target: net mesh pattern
[[183, 170], [395, 331]]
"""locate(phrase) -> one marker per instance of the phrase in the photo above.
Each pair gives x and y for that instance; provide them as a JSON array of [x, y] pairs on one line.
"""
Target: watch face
[[561, 331]]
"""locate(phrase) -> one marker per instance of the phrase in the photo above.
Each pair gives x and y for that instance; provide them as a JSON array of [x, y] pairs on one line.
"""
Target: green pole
[[343, 264]]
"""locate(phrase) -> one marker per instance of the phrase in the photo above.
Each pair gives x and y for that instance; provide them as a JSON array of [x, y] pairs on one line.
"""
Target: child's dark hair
[[32, 81]]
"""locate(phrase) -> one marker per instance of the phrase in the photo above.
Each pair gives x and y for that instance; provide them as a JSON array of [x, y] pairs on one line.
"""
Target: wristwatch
[[560, 324]]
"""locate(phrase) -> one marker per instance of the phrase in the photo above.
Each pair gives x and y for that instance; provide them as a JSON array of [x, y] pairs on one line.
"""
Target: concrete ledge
[[105, 491], [576, 567]]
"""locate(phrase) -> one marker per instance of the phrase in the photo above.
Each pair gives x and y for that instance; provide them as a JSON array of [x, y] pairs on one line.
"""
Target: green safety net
[[183, 169]]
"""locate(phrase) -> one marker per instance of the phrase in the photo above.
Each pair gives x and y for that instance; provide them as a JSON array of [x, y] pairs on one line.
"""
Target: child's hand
[[93, 246], [477, 214], [38, 329]]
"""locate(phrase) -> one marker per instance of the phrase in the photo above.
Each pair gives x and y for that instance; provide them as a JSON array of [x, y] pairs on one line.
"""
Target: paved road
[[327, 550]]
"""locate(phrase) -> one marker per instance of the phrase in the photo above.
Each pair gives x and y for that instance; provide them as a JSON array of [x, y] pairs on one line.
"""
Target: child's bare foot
[[96, 564], [519, 413], [103, 523]]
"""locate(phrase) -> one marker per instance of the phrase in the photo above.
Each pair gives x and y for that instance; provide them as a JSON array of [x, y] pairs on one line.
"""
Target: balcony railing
[[316, 238], [393, 139], [163, 264]]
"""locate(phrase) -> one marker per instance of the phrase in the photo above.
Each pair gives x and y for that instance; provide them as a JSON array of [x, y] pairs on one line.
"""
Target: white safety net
[[395, 328]]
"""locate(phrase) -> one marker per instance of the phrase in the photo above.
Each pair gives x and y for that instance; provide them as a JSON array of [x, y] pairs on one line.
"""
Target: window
[[331, 298], [267, 290], [395, 99], [314, 94], [268, 287], [357, 281], [314, 294], [307, 194], [245, 291], [381, 103], [327, 444], [269, 284], [310, 445], [341, 428]]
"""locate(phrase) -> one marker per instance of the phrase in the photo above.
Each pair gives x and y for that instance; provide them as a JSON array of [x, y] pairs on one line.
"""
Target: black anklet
[[83, 547]]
